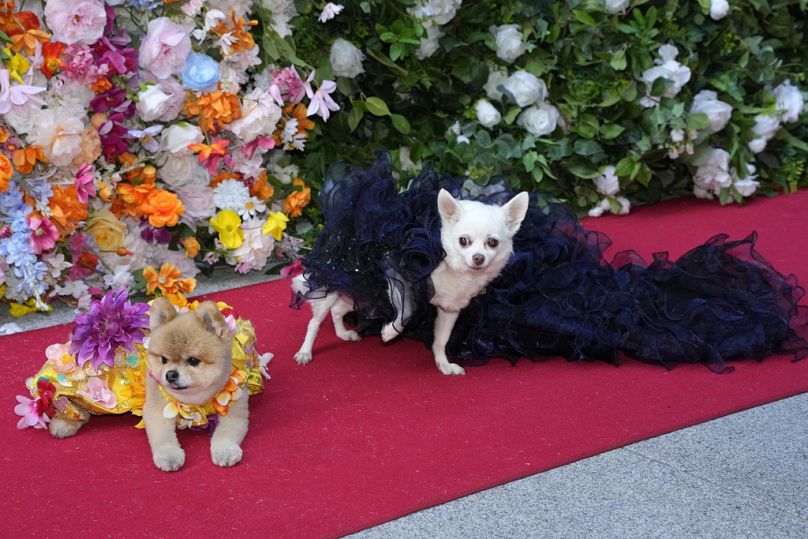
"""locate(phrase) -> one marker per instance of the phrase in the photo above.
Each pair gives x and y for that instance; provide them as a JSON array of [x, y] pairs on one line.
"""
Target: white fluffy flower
[[429, 44], [120, 276], [718, 112], [259, 116], [525, 88], [161, 101], [285, 174], [252, 208], [330, 10], [712, 176], [496, 78], [509, 42], [198, 202], [231, 195], [616, 6], [607, 183], [766, 126], [789, 101], [487, 114], [181, 169], [540, 119], [438, 11], [718, 9], [667, 68], [177, 137], [58, 134], [346, 59], [282, 11], [254, 251]]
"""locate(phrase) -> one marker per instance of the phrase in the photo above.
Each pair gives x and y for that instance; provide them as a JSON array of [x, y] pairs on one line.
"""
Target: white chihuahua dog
[[478, 241]]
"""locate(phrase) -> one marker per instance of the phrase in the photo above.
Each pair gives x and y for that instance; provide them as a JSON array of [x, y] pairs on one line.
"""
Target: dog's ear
[[212, 319], [161, 312], [448, 207], [515, 211]]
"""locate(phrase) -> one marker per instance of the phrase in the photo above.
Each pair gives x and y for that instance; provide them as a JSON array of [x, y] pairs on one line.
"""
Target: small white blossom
[[718, 113], [608, 183], [766, 126], [616, 6], [346, 59], [667, 68], [789, 101], [496, 78], [330, 11], [509, 42], [718, 9], [487, 114]]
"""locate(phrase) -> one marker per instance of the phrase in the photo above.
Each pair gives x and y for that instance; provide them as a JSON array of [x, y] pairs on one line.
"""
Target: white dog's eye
[[193, 362], [492, 242], [464, 241]]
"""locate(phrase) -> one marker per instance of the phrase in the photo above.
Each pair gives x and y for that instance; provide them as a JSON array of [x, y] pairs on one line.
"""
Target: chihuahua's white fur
[[478, 241]]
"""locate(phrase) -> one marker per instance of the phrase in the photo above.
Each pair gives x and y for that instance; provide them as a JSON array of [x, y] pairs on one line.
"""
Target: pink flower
[[293, 269], [76, 21], [17, 95], [98, 391], [43, 234], [32, 415], [59, 358], [84, 182], [321, 102], [165, 48]]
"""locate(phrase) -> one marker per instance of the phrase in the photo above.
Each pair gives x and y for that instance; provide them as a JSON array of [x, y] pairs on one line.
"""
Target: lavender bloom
[[112, 322]]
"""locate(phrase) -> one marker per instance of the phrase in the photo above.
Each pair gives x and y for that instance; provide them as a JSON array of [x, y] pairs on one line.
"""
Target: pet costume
[[70, 388], [557, 295]]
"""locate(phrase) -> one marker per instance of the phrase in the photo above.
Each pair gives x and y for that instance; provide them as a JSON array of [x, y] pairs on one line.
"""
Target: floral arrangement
[[596, 102], [144, 141]]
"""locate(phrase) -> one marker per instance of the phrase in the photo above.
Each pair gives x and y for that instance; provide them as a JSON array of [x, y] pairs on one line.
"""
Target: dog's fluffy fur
[[478, 241], [190, 356]]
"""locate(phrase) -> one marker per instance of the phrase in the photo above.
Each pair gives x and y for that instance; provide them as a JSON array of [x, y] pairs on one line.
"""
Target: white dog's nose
[[478, 259]]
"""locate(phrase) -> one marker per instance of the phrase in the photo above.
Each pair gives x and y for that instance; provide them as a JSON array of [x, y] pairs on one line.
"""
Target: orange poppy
[[52, 57]]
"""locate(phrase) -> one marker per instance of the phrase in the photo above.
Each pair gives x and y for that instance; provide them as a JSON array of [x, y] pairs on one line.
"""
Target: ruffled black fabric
[[558, 295]]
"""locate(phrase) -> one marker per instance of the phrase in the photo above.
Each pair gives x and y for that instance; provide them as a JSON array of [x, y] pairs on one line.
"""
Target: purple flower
[[112, 322]]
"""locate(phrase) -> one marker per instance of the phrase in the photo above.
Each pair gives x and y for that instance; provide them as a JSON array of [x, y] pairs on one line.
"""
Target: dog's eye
[[164, 359], [464, 241], [193, 362], [492, 242]]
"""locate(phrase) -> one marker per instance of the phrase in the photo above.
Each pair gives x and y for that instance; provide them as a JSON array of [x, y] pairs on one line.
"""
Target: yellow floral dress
[[75, 390]]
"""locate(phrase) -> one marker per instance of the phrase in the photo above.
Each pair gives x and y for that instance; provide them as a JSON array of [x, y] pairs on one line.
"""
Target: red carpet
[[367, 432]]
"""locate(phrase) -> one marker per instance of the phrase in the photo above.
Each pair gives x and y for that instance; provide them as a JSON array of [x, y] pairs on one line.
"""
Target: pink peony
[[165, 48], [76, 21]]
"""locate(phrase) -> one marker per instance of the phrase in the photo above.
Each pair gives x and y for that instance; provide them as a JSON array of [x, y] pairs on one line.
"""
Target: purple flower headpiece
[[113, 321]]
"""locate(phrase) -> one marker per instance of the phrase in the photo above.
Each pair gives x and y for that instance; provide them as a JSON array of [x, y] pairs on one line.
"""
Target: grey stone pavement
[[744, 475]]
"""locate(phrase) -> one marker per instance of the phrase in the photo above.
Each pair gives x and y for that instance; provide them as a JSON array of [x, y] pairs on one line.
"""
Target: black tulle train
[[558, 295]]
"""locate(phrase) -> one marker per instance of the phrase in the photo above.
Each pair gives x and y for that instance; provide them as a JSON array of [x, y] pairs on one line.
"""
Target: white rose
[[525, 88], [346, 59], [539, 120], [789, 101], [616, 6], [766, 126], [607, 183], [182, 169], [667, 68], [177, 137], [509, 42], [746, 187], [198, 202], [718, 112], [154, 103], [487, 114], [259, 116], [718, 9], [495, 78], [712, 176], [429, 44], [438, 11]]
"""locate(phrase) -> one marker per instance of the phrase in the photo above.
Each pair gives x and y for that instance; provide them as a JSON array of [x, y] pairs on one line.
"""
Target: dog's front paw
[[349, 335], [225, 453], [389, 333], [60, 427], [451, 369], [302, 357], [169, 459]]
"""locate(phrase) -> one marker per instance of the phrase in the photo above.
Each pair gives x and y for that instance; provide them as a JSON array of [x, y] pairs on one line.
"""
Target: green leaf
[[529, 160], [587, 126], [698, 120], [587, 148], [397, 51], [377, 106], [583, 169], [584, 17], [611, 131], [387, 37], [643, 175], [624, 166], [401, 123], [511, 115], [354, 117], [659, 86], [618, 61]]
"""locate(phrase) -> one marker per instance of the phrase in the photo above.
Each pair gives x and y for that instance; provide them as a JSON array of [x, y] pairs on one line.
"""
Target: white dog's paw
[[60, 427], [169, 459], [302, 357], [225, 453], [451, 369], [389, 333], [349, 335]]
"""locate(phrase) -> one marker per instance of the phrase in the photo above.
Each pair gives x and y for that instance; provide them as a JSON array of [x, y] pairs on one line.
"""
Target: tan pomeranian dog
[[190, 361]]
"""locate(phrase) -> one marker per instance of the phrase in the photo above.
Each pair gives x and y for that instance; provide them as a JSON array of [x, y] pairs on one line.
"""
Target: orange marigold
[[129, 198], [168, 282], [214, 109], [67, 212], [163, 208], [297, 200]]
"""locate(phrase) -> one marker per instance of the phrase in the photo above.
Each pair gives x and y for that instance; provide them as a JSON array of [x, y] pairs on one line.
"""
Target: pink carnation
[[76, 21], [165, 48]]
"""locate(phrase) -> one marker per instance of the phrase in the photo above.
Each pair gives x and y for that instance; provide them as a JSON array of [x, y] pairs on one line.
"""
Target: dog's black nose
[[478, 259], [171, 376]]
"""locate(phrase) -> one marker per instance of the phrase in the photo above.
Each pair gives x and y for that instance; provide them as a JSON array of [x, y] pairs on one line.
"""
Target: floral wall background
[[145, 141]]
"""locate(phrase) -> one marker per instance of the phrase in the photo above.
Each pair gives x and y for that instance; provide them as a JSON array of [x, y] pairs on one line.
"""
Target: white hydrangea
[[718, 112], [231, 195], [667, 68], [509, 42], [346, 59], [526, 88], [282, 11]]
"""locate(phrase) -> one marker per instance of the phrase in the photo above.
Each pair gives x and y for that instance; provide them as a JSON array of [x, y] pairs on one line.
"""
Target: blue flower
[[201, 72]]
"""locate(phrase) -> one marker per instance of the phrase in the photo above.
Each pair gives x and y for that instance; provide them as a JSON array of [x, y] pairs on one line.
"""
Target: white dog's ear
[[212, 319], [161, 312], [448, 207], [515, 211]]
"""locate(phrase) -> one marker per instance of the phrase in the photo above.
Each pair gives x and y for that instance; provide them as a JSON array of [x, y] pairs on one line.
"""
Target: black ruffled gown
[[557, 295]]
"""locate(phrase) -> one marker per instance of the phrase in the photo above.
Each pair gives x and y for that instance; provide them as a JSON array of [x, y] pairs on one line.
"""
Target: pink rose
[[165, 48], [76, 21]]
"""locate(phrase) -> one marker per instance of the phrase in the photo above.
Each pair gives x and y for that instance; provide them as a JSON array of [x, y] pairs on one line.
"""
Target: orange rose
[[163, 208], [6, 171], [66, 210], [297, 200]]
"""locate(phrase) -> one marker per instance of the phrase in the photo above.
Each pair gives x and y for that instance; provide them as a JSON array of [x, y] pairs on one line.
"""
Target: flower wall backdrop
[[144, 141]]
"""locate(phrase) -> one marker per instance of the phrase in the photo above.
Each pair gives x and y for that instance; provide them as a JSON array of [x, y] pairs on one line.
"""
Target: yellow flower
[[108, 232], [191, 245], [17, 66], [276, 224], [228, 224]]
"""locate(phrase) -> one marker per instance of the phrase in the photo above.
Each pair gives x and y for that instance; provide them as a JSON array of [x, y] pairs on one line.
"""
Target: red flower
[[44, 404], [51, 57]]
